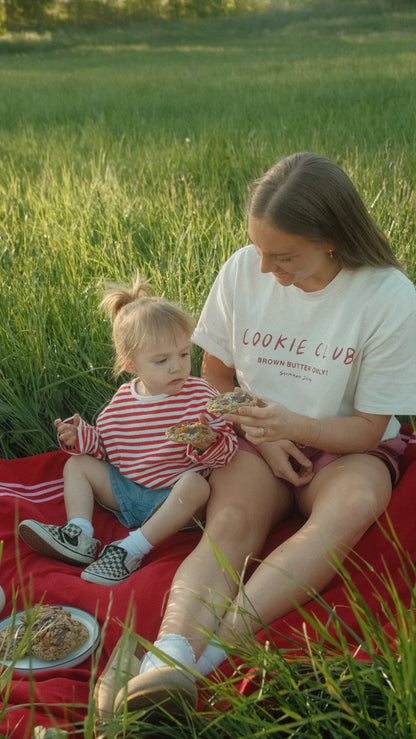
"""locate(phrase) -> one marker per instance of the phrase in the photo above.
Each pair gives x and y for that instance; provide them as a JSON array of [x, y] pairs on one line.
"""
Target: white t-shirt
[[349, 346]]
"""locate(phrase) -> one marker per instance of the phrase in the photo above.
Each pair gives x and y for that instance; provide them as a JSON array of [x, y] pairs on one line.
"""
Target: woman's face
[[292, 259]]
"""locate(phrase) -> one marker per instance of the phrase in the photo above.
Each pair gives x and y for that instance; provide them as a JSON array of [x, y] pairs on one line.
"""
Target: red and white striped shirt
[[130, 433]]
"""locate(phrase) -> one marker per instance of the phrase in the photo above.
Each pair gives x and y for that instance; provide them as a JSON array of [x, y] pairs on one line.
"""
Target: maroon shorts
[[389, 451]]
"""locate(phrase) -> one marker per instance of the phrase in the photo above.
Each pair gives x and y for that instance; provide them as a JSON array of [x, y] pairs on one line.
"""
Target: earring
[[331, 253]]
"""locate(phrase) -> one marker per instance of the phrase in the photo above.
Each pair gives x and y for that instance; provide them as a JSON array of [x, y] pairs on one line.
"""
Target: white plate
[[31, 663]]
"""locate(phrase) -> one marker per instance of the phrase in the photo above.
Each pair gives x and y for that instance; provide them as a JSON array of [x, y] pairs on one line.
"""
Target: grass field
[[134, 148]]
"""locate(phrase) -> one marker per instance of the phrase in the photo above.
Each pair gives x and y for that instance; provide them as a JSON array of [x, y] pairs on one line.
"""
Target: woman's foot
[[166, 688], [123, 664]]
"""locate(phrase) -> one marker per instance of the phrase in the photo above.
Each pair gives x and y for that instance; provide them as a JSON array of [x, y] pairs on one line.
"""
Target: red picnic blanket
[[33, 488]]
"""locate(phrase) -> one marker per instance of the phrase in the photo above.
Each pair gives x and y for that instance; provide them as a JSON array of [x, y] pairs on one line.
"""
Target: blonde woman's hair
[[140, 319], [310, 196]]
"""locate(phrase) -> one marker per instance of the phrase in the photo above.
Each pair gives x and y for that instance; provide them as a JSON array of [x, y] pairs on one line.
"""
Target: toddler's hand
[[211, 439], [67, 431]]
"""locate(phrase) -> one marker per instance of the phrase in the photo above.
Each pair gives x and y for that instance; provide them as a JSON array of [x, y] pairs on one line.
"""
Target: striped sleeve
[[222, 451], [89, 441]]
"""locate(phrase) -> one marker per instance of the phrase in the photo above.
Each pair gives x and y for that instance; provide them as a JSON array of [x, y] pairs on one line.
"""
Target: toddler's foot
[[114, 565], [67, 543]]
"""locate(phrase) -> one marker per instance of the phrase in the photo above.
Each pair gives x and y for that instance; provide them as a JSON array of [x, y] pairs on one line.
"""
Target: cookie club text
[[297, 346]]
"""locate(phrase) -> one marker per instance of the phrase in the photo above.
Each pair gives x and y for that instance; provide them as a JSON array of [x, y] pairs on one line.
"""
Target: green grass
[[134, 147]]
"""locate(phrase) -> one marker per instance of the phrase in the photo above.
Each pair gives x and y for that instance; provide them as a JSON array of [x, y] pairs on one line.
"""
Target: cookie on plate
[[53, 634], [56, 635], [10, 640], [199, 435], [229, 403]]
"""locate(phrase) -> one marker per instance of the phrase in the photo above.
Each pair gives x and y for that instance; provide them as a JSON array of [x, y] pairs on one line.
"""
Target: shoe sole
[[99, 580], [56, 551], [105, 708], [164, 689]]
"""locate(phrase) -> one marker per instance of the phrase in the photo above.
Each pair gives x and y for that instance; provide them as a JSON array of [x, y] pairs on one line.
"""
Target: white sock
[[136, 543], [211, 657], [85, 525], [173, 645]]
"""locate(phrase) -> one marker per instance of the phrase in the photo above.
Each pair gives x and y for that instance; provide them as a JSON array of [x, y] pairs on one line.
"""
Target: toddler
[[126, 463]]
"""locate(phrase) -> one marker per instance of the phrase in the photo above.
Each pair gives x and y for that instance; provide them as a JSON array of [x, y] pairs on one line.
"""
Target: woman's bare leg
[[342, 501], [246, 502]]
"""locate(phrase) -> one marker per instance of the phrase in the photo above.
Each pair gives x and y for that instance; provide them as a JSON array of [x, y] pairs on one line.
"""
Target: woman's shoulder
[[245, 255], [383, 296], [240, 267], [383, 281]]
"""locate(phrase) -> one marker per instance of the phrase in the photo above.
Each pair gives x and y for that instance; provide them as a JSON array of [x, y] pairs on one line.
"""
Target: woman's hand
[[67, 431], [267, 422], [287, 462]]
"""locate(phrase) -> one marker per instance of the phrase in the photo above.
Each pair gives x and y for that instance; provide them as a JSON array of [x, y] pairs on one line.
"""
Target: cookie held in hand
[[199, 435], [229, 403]]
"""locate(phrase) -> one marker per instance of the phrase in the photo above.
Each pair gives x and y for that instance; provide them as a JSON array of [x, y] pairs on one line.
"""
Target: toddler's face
[[164, 367]]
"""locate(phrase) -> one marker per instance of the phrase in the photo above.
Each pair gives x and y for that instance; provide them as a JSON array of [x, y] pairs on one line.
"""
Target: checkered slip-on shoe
[[123, 664], [166, 689], [113, 566], [67, 543]]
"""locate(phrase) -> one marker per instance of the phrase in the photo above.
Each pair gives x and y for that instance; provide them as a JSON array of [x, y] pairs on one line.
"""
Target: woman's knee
[[365, 503], [358, 485], [346, 512], [233, 523]]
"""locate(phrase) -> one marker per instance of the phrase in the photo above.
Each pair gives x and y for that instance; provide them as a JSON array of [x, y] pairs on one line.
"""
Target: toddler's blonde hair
[[140, 319]]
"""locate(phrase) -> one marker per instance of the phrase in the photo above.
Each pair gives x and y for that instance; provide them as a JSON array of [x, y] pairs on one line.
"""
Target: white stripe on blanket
[[34, 493]]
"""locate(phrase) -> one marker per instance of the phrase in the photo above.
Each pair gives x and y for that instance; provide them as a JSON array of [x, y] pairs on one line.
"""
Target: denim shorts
[[136, 502]]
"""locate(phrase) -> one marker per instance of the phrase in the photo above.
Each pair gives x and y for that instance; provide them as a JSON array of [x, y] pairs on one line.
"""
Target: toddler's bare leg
[[85, 479], [186, 501]]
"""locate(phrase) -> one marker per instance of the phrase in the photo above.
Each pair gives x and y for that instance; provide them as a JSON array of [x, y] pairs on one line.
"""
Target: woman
[[317, 317]]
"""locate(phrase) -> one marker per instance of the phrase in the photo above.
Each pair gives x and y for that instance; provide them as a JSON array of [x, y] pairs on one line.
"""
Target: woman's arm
[[357, 433], [217, 373]]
